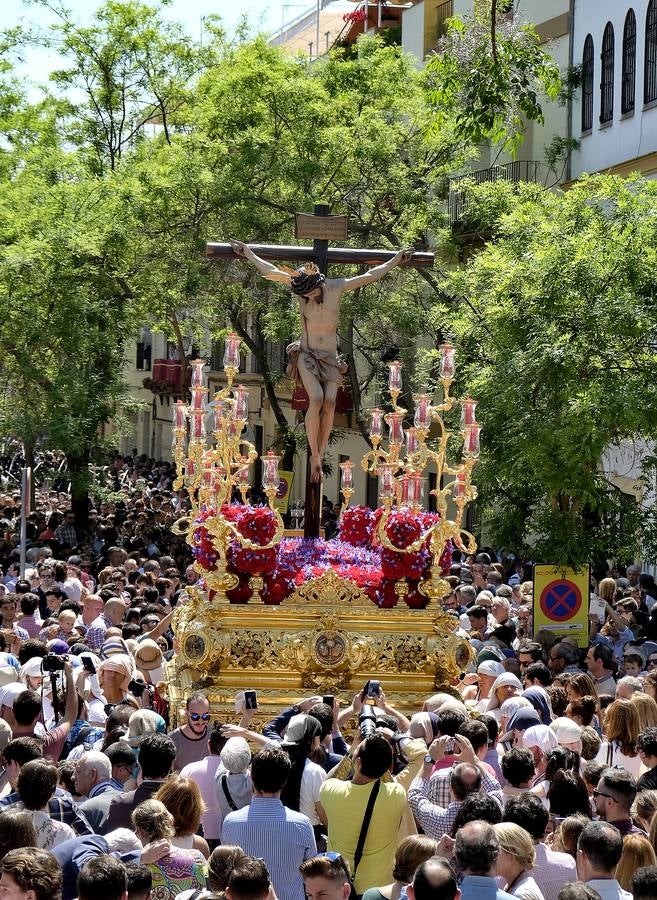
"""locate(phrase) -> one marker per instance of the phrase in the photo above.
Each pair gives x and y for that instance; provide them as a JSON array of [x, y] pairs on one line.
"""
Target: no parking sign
[[561, 601]]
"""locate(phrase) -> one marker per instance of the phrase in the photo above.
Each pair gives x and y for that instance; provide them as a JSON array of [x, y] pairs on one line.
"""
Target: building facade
[[615, 112]]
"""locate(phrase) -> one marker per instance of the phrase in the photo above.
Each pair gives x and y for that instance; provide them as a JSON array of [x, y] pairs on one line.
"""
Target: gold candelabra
[[212, 468], [400, 469]]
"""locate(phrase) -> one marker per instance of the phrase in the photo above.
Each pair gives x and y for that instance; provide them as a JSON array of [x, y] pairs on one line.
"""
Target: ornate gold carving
[[331, 587], [327, 637]]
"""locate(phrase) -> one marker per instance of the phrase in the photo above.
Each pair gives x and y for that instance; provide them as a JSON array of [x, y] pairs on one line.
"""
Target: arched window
[[607, 75], [628, 91], [587, 84], [650, 65]]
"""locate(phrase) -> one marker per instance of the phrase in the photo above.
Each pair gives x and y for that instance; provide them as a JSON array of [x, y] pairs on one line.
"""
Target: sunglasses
[[652, 661], [339, 860], [196, 716], [597, 793]]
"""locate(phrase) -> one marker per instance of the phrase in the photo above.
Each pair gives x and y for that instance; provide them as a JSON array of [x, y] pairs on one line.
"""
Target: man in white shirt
[[599, 849]]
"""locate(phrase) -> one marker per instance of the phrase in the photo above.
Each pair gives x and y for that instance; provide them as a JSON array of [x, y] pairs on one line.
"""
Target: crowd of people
[[532, 775]]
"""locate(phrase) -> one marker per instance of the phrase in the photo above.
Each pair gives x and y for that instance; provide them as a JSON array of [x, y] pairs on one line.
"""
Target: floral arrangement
[[358, 15], [357, 556]]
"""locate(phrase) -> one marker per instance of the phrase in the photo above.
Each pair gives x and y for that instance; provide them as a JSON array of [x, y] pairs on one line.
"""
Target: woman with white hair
[[233, 780], [516, 860], [503, 688], [114, 676]]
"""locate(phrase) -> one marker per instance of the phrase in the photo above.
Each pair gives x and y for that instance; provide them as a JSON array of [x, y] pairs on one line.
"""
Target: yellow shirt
[[344, 803]]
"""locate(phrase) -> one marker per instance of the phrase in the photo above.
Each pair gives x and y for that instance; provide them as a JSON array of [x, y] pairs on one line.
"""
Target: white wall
[[413, 32], [626, 138]]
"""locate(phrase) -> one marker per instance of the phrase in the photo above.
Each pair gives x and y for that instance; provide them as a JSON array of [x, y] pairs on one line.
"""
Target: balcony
[[520, 170], [444, 12]]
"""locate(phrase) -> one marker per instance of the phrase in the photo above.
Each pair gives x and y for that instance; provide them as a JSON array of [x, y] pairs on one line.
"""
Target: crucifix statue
[[314, 361]]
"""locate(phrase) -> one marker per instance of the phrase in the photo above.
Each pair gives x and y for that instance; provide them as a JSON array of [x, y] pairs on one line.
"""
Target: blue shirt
[[481, 887], [280, 836]]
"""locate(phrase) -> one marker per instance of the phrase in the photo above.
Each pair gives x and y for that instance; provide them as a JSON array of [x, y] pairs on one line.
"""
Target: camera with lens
[[367, 721], [51, 662]]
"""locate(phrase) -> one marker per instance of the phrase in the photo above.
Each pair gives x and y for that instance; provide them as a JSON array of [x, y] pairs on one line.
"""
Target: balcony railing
[[444, 12], [520, 170]]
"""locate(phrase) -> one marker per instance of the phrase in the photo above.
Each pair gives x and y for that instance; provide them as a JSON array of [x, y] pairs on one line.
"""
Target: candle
[[208, 478], [231, 351], [198, 425], [190, 468], [347, 475], [415, 488], [447, 352], [394, 376], [395, 428], [242, 474], [197, 372], [412, 443], [458, 487], [405, 490], [197, 398], [471, 441], [376, 424], [387, 485], [422, 410], [270, 479], [468, 409], [241, 409], [179, 415]]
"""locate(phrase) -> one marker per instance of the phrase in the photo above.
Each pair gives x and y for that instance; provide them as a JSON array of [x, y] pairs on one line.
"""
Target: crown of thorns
[[307, 278]]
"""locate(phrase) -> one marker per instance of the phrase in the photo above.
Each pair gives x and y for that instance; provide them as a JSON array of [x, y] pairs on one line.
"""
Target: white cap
[[491, 668], [540, 736], [9, 692], [567, 731]]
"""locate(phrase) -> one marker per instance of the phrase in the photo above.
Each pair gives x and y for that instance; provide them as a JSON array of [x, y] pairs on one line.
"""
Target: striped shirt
[[281, 837]]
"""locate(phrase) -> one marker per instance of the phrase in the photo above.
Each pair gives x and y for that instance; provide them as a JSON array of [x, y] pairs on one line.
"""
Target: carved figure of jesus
[[314, 360]]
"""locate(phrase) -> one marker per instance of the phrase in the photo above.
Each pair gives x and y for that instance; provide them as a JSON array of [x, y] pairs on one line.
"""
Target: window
[[607, 75], [587, 84], [628, 90], [650, 66]]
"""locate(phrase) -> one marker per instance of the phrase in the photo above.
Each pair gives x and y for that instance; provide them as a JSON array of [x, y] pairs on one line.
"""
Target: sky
[[266, 15]]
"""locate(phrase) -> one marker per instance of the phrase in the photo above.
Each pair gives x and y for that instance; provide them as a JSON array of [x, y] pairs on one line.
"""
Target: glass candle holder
[[376, 423], [198, 425], [241, 398], [458, 489], [471, 441], [270, 479], [395, 428], [405, 490], [197, 398], [347, 475], [197, 372], [394, 375], [243, 475], [231, 351], [468, 411], [447, 365], [179, 411], [412, 443], [422, 410], [387, 484], [415, 488]]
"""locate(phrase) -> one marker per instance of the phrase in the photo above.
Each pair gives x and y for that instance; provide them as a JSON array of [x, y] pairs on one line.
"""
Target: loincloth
[[326, 366]]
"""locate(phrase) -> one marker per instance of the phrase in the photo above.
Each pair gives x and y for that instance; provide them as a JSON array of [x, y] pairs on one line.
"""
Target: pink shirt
[[203, 773]]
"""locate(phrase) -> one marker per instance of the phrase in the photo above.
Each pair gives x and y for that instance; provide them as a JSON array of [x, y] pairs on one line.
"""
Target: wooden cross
[[321, 254]]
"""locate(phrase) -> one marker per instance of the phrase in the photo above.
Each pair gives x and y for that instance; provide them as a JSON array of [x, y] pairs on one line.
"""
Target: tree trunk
[[78, 467]]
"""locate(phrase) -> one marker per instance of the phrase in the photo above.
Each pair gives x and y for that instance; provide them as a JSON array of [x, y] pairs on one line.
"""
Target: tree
[[556, 323], [132, 67], [491, 76], [66, 254]]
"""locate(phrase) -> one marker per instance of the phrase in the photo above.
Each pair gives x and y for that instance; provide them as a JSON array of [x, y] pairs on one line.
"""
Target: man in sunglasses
[[191, 739], [326, 877]]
